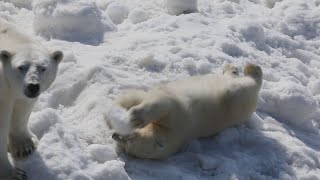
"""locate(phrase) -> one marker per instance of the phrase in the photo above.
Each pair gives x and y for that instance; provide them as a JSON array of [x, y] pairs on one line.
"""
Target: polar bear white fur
[[170, 115], [26, 70]]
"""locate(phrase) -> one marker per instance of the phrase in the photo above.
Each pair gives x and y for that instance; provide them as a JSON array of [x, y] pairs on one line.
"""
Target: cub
[[168, 116], [27, 69]]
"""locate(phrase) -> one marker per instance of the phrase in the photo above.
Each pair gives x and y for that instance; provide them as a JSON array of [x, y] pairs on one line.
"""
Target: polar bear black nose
[[33, 88]]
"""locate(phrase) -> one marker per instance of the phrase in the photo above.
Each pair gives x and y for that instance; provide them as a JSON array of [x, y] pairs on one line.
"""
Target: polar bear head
[[30, 71]]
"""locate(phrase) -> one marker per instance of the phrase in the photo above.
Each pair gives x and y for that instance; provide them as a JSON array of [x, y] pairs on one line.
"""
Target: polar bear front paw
[[14, 174], [138, 118], [19, 174], [121, 138], [21, 148]]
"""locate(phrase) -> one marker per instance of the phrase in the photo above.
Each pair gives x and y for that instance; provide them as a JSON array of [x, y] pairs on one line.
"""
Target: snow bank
[[27, 4], [71, 20], [177, 7]]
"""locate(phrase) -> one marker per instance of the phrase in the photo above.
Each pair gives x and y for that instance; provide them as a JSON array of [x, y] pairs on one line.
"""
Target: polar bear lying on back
[[170, 115], [26, 70]]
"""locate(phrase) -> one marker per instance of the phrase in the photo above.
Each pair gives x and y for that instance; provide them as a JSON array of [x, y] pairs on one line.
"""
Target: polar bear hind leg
[[22, 142], [151, 119], [131, 98], [153, 108], [149, 142]]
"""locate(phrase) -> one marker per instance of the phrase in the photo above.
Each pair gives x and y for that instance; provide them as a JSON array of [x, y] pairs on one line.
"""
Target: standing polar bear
[[168, 116], [26, 70]]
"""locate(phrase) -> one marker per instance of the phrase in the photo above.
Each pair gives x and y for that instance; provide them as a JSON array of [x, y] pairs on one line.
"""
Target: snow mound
[[292, 103], [71, 20], [253, 32], [117, 12], [177, 7], [138, 15], [119, 120], [27, 4], [271, 3], [42, 121], [203, 67], [102, 153], [190, 65], [110, 170], [150, 62], [314, 87]]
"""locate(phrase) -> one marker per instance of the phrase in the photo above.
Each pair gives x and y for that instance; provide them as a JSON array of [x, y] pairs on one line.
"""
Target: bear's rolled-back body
[[172, 114], [215, 102]]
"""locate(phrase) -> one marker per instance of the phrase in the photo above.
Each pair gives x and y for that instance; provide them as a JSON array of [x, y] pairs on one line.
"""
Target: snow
[[142, 45], [117, 12], [294, 103], [138, 15], [177, 7], [119, 120], [102, 153], [27, 4], [72, 20]]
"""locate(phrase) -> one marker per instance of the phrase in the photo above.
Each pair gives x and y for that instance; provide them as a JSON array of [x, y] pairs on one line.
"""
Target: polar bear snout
[[32, 90]]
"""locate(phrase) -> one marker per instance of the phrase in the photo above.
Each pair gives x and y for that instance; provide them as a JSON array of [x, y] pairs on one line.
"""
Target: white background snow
[[113, 45]]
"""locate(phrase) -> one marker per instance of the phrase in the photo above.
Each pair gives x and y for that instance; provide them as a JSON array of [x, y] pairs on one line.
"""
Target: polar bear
[[26, 70], [170, 115]]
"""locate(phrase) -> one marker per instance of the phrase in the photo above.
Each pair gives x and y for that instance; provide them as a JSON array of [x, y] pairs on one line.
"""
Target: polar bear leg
[[131, 98], [153, 108], [6, 170], [22, 142], [145, 143]]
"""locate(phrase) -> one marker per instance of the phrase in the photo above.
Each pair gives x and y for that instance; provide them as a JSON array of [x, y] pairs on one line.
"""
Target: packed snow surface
[[141, 45]]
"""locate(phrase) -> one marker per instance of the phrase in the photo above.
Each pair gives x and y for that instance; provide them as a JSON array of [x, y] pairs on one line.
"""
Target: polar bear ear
[[5, 56], [57, 56]]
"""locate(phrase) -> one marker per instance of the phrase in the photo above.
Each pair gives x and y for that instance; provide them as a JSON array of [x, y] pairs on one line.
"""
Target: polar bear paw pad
[[137, 118], [19, 174], [21, 149]]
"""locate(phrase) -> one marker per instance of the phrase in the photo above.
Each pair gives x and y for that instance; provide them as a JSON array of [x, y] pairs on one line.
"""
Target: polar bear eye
[[22, 68], [43, 69]]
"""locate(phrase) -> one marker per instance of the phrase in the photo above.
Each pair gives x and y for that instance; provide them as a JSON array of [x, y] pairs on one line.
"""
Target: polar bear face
[[31, 71]]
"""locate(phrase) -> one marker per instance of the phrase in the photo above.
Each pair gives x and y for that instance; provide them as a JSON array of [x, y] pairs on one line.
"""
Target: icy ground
[[114, 45]]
